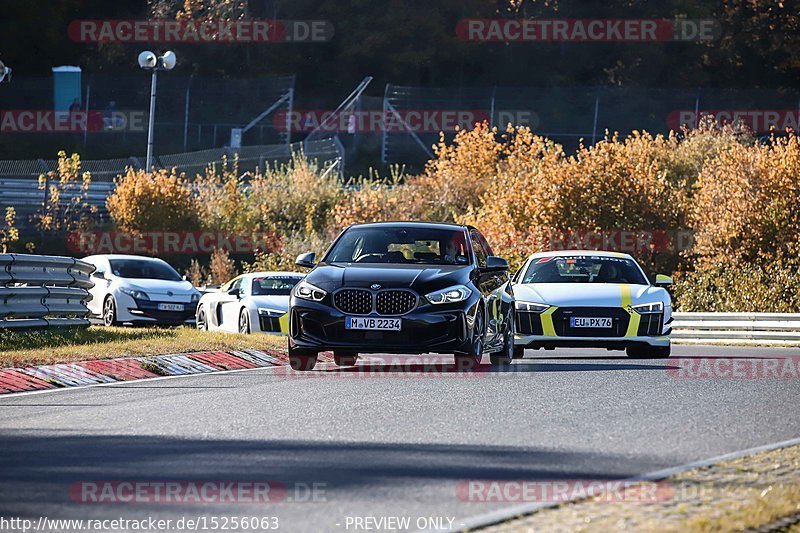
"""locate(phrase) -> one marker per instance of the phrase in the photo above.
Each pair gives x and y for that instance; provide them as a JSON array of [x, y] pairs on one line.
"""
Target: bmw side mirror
[[496, 264], [306, 260], [663, 280]]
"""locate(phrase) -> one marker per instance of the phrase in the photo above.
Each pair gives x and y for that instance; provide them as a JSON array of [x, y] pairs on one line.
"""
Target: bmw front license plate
[[589, 322], [170, 307], [380, 324]]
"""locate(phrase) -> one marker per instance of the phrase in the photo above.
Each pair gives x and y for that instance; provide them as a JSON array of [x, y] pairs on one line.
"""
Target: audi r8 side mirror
[[496, 264], [306, 260], [661, 279], [235, 292]]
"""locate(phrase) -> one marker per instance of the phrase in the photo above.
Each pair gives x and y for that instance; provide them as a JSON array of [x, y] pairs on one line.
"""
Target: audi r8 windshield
[[399, 245], [274, 286], [583, 269]]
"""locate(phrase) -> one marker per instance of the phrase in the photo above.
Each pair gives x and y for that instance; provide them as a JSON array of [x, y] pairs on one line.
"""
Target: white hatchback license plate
[[170, 307], [589, 322], [380, 324]]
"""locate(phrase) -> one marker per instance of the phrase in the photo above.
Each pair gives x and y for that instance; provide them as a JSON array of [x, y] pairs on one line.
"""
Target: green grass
[[38, 347]]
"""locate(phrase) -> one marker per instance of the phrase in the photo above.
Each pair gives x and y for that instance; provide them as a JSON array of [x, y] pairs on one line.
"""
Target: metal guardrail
[[38, 291], [737, 328]]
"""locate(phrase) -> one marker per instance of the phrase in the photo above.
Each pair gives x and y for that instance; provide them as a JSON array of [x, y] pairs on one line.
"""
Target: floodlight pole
[[151, 124]]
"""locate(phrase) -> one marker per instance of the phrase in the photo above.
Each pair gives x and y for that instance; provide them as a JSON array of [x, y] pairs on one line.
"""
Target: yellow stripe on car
[[283, 321], [626, 300], [547, 322]]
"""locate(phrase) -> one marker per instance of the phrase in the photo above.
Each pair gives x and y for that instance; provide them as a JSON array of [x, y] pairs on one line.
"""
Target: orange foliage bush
[[146, 201], [748, 202], [456, 178], [615, 184]]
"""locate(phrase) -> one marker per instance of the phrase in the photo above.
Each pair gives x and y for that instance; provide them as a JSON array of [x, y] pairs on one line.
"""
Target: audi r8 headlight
[[139, 295], [531, 307], [457, 293], [655, 307], [307, 291], [264, 311]]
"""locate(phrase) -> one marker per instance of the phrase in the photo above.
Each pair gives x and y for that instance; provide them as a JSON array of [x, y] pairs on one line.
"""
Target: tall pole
[[148, 165]]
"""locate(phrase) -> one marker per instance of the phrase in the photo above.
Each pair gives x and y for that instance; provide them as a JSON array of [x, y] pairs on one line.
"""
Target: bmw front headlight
[[307, 291], [530, 307], [195, 296], [456, 293], [139, 295], [643, 309]]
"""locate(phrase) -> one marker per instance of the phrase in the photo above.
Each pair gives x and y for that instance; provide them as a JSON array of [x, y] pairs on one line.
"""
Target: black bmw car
[[403, 288]]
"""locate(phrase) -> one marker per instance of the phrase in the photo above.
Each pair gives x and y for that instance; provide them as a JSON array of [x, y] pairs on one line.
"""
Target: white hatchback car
[[251, 303], [139, 290], [591, 299]]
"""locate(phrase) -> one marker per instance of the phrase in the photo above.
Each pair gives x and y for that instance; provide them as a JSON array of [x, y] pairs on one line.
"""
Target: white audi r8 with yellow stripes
[[251, 303], [591, 299]]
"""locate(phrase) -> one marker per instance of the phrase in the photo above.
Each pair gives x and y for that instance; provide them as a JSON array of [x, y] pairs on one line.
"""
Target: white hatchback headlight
[[531, 307], [307, 291], [457, 293], [139, 295], [655, 307]]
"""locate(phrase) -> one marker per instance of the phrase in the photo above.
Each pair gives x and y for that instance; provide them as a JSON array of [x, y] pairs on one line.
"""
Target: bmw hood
[[418, 277], [589, 294], [276, 303]]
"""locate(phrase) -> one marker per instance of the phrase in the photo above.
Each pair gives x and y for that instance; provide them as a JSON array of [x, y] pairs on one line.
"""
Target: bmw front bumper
[[317, 327]]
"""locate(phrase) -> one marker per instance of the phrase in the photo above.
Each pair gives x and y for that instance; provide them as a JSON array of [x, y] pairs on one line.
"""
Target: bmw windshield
[[583, 269], [401, 245]]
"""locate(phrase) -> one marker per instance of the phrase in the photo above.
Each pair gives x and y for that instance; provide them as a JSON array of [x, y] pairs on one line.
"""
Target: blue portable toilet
[[66, 87]]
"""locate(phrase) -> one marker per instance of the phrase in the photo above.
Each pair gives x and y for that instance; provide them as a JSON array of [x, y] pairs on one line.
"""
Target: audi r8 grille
[[269, 323], [529, 323], [650, 324], [354, 301], [395, 302], [619, 321]]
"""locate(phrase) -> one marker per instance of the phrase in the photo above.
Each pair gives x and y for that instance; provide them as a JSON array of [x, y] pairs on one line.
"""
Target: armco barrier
[[737, 328], [39, 291]]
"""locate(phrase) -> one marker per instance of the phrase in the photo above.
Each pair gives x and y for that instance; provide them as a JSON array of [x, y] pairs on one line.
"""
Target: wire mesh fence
[[571, 114], [111, 113]]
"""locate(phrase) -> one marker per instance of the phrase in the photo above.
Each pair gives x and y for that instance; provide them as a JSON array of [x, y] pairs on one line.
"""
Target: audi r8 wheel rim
[[244, 323], [201, 319]]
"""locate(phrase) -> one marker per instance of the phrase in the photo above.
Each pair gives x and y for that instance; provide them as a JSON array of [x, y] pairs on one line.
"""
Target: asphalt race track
[[383, 440]]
